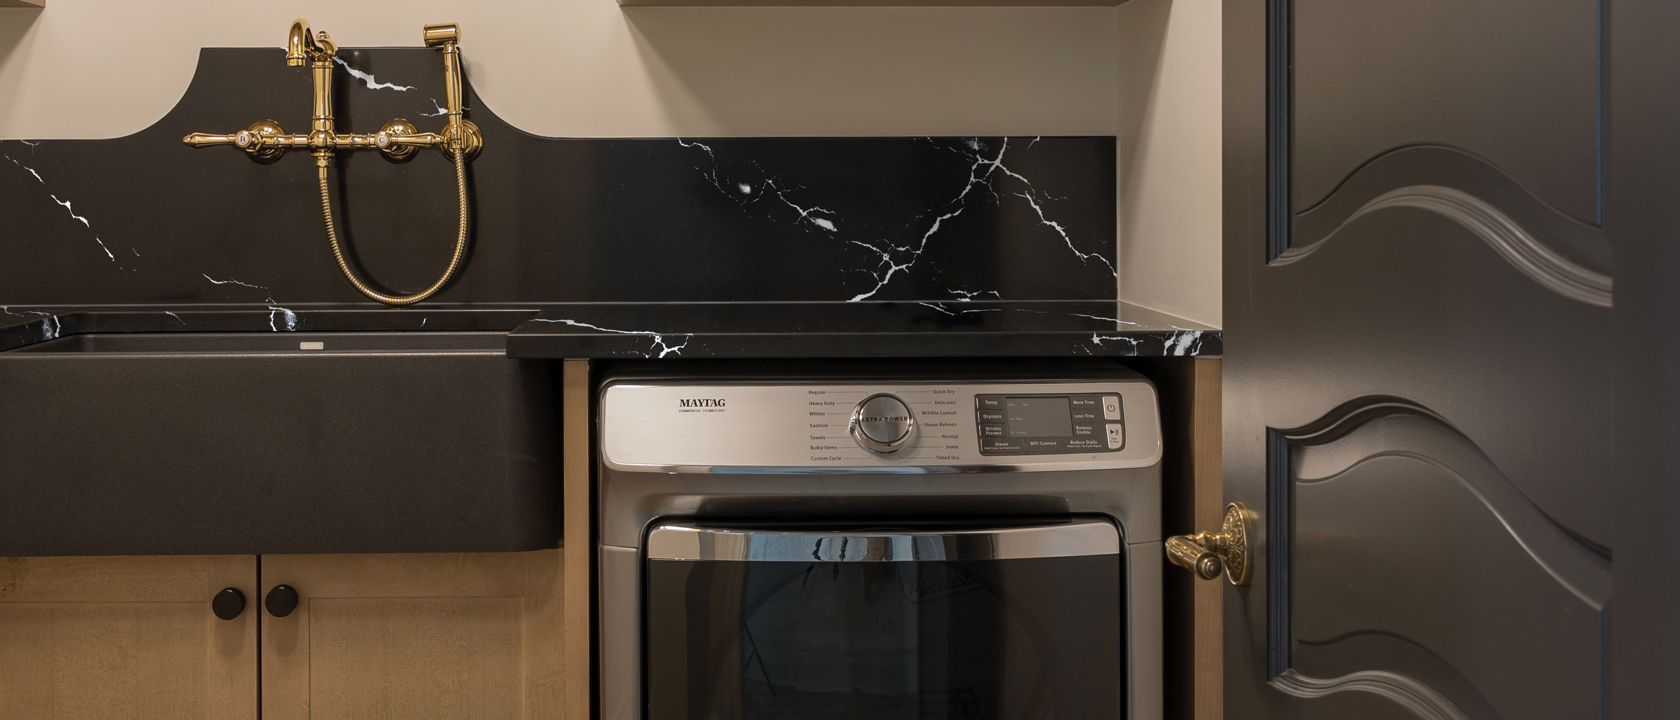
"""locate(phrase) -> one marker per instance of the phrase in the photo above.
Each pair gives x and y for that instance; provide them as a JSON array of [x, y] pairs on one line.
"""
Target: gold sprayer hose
[[454, 262]]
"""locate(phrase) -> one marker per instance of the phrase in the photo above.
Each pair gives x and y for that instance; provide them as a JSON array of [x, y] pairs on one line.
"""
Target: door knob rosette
[[1228, 551]]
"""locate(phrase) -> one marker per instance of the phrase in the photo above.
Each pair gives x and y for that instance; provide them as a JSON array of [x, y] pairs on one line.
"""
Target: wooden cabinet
[[410, 636], [131, 637], [372, 636], [414, 636]]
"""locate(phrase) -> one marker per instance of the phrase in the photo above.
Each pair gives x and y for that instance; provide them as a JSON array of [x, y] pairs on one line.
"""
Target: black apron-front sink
[[277, 443]]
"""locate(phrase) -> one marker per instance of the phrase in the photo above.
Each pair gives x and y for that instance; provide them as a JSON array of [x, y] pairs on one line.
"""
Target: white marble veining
[[659, 345], [1105, 319], [747, 192], [1100, 340], [969, 295], [278, 316], [66, 204], [965, 311], [700, 145], [1053, 225], [231, 281], [72, 211], [50, 326], [286, 317], [893, 258], [86, 224], [1032, 195], [27, 168], [982, 173], [368, 78], [907, 256], [814, 215], [1184, 342]]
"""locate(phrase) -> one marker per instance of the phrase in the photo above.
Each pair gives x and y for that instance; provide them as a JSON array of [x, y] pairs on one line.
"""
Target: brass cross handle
[[266, 140], [1227, 551]]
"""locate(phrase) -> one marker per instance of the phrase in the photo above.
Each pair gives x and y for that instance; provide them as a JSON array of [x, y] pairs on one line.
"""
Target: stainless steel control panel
[[878, 427], [1040, 424]]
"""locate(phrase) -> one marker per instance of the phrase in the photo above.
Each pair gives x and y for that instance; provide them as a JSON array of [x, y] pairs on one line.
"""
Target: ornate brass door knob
[[1209, 554]]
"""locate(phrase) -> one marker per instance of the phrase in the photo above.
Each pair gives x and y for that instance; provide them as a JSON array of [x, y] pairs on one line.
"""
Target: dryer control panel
[[673, 426], [1038, 424]]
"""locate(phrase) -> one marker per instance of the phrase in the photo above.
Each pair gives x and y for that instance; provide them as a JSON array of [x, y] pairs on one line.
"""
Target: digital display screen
[[1038, 417]]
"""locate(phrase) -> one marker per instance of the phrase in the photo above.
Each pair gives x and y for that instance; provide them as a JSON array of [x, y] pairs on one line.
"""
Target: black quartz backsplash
[[144, 234], [175, 315]]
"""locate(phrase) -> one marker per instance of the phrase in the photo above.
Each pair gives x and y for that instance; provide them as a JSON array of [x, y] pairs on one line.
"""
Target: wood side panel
[[578, 543], [1191, 497], [1208, 628], [415, 636], [1174, 384], [126, 637]]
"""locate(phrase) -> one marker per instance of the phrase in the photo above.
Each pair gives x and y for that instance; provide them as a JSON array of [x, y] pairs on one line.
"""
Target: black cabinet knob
[[281, 600], [228, 603]]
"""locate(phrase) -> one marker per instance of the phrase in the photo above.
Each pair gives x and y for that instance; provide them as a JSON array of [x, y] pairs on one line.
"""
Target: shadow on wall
[[1145, 39], [1169, 122], [880, 71], [14, 24]]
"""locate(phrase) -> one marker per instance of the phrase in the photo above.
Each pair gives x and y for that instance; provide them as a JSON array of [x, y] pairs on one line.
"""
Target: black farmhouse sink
[[179, 443]]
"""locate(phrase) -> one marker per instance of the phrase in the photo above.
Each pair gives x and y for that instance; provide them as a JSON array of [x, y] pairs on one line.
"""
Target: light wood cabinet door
[[111, 638], [415, 637]]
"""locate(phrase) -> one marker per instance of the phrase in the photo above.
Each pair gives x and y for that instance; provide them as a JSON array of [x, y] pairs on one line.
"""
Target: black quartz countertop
[[686, 330], [857, 330]]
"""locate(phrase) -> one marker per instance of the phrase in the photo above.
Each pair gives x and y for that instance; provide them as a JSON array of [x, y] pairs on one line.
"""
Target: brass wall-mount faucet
[[460, 140]]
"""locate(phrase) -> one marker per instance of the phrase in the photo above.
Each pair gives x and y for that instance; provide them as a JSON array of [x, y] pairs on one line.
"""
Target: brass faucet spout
[[296, 41], [304, 45]]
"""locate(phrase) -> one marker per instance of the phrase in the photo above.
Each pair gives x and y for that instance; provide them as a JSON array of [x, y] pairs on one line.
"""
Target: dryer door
[[1013, 622]]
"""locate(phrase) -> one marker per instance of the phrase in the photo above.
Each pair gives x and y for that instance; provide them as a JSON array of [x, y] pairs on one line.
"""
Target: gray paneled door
[[1419, 301]]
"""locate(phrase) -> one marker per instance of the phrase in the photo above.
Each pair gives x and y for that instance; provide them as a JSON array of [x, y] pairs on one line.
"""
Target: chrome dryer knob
[[883, 424]]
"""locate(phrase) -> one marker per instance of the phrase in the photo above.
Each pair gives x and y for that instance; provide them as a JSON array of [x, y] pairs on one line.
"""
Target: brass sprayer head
[[445, 35]]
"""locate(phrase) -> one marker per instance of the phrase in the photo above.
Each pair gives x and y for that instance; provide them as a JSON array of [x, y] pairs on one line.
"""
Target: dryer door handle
[[704, 544]]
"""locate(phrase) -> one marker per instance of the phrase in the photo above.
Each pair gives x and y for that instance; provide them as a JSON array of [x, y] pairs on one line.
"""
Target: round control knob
[[883, 424]]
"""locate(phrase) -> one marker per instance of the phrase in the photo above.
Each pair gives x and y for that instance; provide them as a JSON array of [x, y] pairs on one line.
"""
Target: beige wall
[[1169, 124], [587, 68]]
